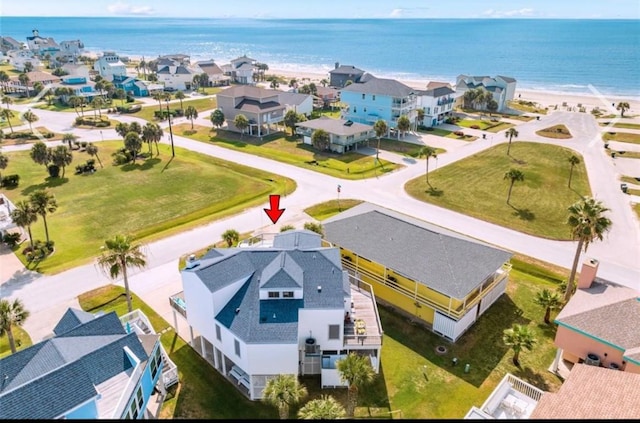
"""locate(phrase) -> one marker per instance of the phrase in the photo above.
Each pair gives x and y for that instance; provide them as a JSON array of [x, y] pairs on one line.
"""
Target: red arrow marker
[[274, 212]]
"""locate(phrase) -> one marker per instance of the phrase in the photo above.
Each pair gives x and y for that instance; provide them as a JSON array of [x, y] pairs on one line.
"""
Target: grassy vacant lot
[[400, 147], [413, 378], [465, 137], [200, 104], [151, 198], [630, 180], [476, 186], [621, 137], [526, 106], [330, 208], [556, 131], [622, 125], [13, 121], [290, 150], [21, 338], [484, 125], [41, 129], [626, 154]]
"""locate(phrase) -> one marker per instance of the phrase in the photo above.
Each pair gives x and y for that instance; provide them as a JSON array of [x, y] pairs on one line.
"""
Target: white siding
[[224, 295], [451, 328], [464, 323], [331, 379], [492, 296], [199, 301], [271, 359], [315, 323]]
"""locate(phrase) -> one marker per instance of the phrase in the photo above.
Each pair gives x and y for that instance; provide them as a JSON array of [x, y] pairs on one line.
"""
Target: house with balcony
[[42, 46], [19, 58], [109, 65], [589, 392], [241, 69], [340, 74], [374, 98], [136, 87], [600, 324], [280, 307], [326, 97], [436, 277], [299, 103], [502, 88], [93, 367], [176, 73], [45, 78], [262, 107], [72, 48], [437, 104], [344, 135], [216, 75]]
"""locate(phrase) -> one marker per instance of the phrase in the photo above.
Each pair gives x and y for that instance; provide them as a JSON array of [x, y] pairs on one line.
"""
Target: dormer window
[[287, 294], [274, 294]]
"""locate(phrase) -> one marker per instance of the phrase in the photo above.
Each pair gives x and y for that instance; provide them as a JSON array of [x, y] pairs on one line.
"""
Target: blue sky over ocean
[[350, 9]]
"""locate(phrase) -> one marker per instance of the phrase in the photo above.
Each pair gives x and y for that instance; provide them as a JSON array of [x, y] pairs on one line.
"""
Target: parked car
[[169, 89]]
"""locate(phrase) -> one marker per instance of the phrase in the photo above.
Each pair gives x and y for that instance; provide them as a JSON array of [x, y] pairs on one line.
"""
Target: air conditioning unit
[[592, 360]]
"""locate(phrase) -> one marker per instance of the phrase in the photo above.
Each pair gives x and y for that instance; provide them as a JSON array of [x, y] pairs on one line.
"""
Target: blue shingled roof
[[70, 319], [50, 378]]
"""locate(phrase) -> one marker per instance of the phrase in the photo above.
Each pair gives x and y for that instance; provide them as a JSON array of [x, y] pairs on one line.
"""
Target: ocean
[[542, 54]]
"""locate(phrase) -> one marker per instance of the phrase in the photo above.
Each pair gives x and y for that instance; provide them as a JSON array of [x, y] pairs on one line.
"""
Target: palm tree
[[356, 371], [135, 127], [230, 236], [320, 139], [118, 254], [24, 216], [623, 106], [217, 118], [24, 80], [133, 143], [381, 128], [40, 153], [11, 314], [30, 117], [587, 224], [7, 114], [551, 300], [158, 96], [42, 202], [4, 162], [191, 113], [61, 156], [421, 116], [325, 408], [69, 137], [241, 122], [290, 120], [427, 152], [513, 175], [324, 82], [122, 129], [404, 124], [274, 83], [6, 100], [510, 133], [573, 160], [152, 132], [4, 80], [97, 103], [282, 392], [75, 102], [518, 337], [92, 150], [180, 96]]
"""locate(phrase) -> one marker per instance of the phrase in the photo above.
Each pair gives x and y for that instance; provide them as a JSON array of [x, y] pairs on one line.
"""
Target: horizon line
[[325, 18]]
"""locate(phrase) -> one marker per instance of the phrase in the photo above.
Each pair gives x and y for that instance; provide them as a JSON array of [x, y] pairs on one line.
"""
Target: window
[[334, 331], [287, 294], [365, 110], [274, 294], [139, 397], [237, 346], [218, 333], [133, 410], [363, 96], [355, 110], [435, 110], [373, 97]]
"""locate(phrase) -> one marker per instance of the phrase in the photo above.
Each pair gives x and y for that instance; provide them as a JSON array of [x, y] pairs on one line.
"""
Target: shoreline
[[543, 97]]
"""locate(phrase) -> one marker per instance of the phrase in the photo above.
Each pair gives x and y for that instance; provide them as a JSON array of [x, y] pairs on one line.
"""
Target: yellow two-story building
[[437, 277]]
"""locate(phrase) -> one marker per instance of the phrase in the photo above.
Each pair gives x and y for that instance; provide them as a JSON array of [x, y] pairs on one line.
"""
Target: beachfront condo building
[[279, 305], [502, 88], [436, 277], [374, 98]]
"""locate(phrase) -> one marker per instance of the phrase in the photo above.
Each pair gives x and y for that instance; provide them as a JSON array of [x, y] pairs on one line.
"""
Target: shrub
[[10, 181], [12, 239], [88, 167], [39, 251], [314, 227], [459, 133], [122, 156], [28, 135], [475, 127], [287, 228], [54, 170]]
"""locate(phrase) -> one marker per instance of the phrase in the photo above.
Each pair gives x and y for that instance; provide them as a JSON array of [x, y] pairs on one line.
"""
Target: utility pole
[[173, 151]]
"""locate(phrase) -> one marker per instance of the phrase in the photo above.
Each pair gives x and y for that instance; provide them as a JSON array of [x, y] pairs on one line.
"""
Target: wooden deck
[[363, 308]]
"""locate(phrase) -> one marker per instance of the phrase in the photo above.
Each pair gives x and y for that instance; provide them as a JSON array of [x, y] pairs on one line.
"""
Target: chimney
[[337, 65], [192, 262], [588, 273]]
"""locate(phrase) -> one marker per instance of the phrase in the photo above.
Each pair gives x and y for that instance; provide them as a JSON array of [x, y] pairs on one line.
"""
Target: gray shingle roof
[[444, 261], [335, 126], [507, 78], [380, 86], [293, 98], [55, 375], [70, 319], [346, 70], [255, 106], [255, 322]]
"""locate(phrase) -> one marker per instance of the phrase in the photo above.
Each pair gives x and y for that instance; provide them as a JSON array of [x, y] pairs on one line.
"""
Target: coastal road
[[48, 296]]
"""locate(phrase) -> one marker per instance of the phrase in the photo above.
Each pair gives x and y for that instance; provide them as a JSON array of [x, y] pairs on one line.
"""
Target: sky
[[292, 9]]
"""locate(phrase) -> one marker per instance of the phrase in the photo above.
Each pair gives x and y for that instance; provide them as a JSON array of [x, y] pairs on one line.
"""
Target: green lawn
[[200, 104], [526, 106], [41, 129], [630, 180], [293, 151], [148, 199], [21, 338], [622, 125], [413, 378], [626, 154], [400, 147], [484, 125], [436, 131], [556, 131], [621, 137], [13, 121], [636, 208], [330, 208], [465, 137], [475, 186]]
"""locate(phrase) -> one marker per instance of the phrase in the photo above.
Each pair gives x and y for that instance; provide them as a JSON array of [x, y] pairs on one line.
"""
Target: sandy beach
[[543, 98]]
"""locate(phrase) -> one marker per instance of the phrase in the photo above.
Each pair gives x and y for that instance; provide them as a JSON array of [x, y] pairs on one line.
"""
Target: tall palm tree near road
[[152, 133], [550, 300], [191, 113], [623, 106], [97, 104], [69, 137], [180, 96], [404, 124], [30, 117], [380, 128], [427, 152], [24, 81], [6, 100], [518, 338], [514, 175], [356, 371], [12, 313], [158, 96], [24, 216], [588, 223], [7, 114], [217, 118], [118, 254], [283, 391], [326, 408], [510, 134], [573, 160], [43, 203], [92, 150]]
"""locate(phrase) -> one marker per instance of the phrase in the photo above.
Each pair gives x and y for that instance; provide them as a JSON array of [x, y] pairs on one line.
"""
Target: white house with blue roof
[[94, 367], [287, 308]]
